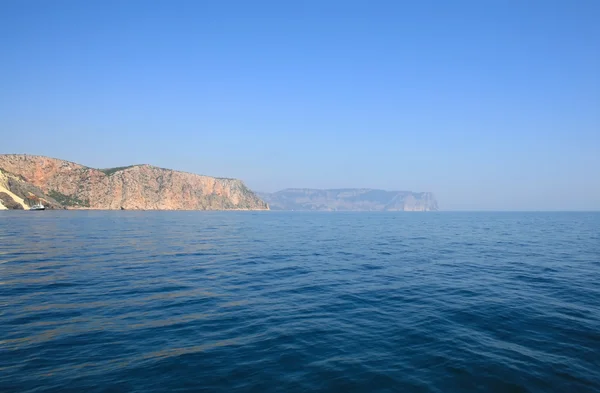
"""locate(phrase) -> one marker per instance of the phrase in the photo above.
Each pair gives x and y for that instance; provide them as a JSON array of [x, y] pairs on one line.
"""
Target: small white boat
[[38, 206]]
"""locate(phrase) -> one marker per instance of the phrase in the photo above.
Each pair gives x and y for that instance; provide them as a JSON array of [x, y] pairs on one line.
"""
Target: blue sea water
[[293, 302]]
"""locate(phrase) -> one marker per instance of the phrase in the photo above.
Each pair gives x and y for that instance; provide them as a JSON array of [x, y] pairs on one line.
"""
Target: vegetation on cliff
[[68, 200], [110, 171]]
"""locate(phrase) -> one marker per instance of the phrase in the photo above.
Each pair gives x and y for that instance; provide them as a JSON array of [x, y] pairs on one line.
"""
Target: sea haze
[[289, 302]]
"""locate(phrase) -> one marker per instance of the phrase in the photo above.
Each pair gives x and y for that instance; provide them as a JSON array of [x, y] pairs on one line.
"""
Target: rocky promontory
[[64, 184]]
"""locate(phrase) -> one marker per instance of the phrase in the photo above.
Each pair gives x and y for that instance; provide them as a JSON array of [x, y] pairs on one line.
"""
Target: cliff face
[[17, 194], [135, 187], [352, 199]]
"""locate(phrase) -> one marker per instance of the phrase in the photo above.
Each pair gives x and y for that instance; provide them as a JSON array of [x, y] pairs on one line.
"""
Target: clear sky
[[489, 104]]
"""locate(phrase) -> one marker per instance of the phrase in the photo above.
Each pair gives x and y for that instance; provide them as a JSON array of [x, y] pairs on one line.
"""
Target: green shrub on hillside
[[67, 200], [110, 171]]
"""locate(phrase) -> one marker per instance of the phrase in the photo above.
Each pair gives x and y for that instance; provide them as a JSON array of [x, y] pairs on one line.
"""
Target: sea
[[126, 301]]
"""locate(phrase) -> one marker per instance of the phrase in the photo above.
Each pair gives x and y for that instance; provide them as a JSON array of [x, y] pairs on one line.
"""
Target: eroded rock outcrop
[[8, 202]]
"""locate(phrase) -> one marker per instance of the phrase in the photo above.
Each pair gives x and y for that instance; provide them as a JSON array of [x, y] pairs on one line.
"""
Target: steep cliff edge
[[351, 199], [143, 187]]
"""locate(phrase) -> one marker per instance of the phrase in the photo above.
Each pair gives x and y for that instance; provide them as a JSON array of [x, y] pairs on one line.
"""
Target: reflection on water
[[189, 301]]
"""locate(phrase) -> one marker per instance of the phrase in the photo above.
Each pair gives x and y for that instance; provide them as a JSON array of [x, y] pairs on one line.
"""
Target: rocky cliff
[[352, 199], [67, 184], [17, 194]]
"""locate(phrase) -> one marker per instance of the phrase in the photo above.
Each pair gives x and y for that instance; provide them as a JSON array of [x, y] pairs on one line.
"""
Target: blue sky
[[489, 104]]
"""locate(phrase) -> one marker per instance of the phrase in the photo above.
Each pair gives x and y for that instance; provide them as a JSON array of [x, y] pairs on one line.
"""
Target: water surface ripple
[[290, 302]]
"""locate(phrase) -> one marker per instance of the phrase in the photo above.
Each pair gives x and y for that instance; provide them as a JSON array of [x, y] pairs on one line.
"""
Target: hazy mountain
[[350, 199]]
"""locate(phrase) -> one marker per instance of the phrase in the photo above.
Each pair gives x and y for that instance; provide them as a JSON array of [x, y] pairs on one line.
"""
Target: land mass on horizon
[[61, 184], [64, 184], [350, 199]]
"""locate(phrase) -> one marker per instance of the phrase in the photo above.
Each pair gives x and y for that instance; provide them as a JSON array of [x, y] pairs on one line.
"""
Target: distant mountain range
[[62, 184], [349, 199]]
